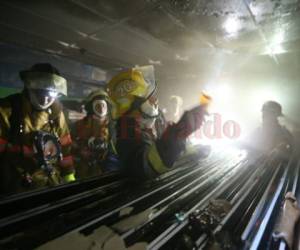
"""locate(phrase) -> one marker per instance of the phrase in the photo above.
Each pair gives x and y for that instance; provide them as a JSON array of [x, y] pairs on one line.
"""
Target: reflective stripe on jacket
[[137, 149], [32, 121]]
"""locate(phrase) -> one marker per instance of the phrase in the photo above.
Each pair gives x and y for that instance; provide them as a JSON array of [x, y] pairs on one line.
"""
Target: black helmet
[[44, 76], [41, 68], [272, 107]]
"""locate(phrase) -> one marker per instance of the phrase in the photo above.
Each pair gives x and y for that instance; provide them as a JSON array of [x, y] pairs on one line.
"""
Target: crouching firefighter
[[35, 142], [144, 151], [94, 137]]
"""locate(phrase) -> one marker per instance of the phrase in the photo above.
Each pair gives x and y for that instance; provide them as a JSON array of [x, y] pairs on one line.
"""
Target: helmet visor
[[149, 77], [46, 81], [42, 99]]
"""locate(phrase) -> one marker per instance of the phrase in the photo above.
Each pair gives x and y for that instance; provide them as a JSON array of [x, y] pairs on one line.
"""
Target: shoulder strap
[[56, 112]]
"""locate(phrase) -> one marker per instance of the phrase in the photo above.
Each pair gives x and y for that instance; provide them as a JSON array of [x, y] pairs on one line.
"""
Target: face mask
[[41, 99], [100, 108], [150, 108], [147, 123]]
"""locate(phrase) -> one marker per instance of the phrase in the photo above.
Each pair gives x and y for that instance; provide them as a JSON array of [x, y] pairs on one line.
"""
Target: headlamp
[[53, 94]]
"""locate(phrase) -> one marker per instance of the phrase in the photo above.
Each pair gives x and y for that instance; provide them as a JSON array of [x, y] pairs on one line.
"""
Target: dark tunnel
[[149, 124]]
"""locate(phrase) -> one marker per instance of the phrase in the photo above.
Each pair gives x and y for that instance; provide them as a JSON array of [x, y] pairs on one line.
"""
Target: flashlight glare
[[275, 46], [53, 94], [231, 25]]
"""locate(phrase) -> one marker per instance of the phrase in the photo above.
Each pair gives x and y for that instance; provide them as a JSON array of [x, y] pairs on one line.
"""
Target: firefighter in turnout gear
[[271, 135], [145, 150], [93, 144], [35, 143]]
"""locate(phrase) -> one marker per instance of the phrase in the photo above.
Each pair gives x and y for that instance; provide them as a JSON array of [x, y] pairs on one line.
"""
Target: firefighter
[[144, 151], [274, 134], [271, 135], [174, 109], [94, 137], [35, 143]]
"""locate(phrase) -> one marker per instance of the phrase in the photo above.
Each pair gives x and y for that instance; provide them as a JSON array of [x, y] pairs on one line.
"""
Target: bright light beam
[[275, 46], [231, 25]]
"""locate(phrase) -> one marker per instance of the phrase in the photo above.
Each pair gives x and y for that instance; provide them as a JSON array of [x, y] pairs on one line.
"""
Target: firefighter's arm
[[136, 151], [77, 141], [145, 158], [4, 122], [162, 154], [288, 140], [5, 177], [170, 146], [289, 216], [67, 163], [3, 138]]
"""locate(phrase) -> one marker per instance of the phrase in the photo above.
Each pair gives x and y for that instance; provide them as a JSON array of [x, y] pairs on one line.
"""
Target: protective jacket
[[265, 139], [18, 123], [144, 150], [93, 146], [145, 154]]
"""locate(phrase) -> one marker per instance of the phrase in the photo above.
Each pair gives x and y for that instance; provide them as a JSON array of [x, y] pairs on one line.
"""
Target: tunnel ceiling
[[170, 34]]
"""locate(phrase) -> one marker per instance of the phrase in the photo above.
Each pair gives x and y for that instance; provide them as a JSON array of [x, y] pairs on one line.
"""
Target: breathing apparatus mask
[[47, 150], [42, 99], [100, 108]]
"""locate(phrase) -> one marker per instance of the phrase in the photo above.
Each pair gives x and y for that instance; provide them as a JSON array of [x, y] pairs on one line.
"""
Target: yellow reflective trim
[[41, 80], [155, 160], [69, 178], [113, 147]]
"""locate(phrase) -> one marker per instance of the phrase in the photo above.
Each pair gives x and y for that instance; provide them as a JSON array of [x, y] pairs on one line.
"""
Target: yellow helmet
[[97, 94], [101, 93], [126, 87]]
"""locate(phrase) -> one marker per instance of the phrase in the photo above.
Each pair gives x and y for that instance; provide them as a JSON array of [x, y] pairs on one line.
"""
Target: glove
[[69, 178]]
